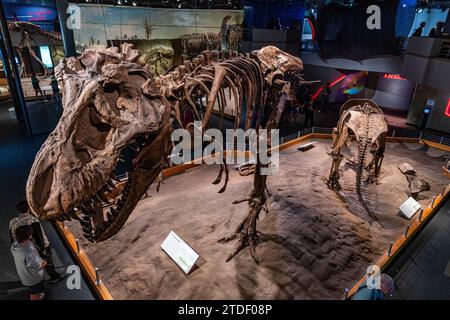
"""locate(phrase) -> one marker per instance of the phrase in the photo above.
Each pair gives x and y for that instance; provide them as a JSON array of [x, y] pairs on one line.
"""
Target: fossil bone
[[112, 106], [365, 120], [194, 43]]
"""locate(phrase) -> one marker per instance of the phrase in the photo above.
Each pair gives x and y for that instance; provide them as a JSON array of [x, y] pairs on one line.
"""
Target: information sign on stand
[[180, 252], [410, 207]]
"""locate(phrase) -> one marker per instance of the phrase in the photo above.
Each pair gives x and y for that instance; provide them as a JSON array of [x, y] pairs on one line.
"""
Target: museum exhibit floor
[[311, 245], [17, 153]]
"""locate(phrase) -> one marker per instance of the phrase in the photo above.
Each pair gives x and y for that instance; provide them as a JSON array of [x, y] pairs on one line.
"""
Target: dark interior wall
[[393, 93], [438, 120], [263, 11]]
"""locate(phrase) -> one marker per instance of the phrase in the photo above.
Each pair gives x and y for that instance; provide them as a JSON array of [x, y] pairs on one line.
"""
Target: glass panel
[[38, 47]]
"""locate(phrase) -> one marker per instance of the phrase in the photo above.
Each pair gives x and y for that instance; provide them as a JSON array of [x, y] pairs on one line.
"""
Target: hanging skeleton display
[[27, 30], [111, 103], [364, 120]]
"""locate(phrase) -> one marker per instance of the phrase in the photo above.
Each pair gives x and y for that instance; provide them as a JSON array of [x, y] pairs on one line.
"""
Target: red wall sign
[[447, 110], [393, 76]]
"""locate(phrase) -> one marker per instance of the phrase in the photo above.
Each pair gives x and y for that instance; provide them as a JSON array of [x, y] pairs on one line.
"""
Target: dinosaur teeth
[[74, 215], [134, 149], [114, 212], [111, 184]]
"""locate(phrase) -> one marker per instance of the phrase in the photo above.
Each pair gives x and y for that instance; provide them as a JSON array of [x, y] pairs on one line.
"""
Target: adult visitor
[[387, 287], [419, 30], [39, 238], [309, 111], [325, 98], [55, 88], [29, 264], [436, 32], [36, 86]]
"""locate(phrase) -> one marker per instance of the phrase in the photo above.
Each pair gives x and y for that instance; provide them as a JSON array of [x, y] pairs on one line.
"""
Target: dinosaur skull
[[105, 111]]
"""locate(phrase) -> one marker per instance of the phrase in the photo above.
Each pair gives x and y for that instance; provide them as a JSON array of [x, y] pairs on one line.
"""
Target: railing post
[[282, 140], [421, 134], [389, 250], [442, 140], [77, 242], [98, 281], [299, 134], [432, 202], [346, 293], [407, 230], [420, 215], [393, 133], [312, 130]]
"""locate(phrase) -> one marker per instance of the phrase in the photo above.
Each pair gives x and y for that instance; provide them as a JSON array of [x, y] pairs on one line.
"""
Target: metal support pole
[[15, 75], [66, 33], [393, 133], [11, 86]]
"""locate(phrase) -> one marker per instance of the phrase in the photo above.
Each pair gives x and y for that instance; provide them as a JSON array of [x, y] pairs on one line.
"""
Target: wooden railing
[[93, 274]]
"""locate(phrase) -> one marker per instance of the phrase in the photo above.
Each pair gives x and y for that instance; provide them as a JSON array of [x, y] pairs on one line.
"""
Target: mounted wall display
[[164, 36]]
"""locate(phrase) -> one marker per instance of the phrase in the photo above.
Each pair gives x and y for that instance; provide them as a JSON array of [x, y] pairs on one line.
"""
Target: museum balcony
[[427, 62]]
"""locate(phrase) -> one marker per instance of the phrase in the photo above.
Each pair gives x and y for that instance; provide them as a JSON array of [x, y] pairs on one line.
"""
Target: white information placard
[[410, 207], [180, 252]]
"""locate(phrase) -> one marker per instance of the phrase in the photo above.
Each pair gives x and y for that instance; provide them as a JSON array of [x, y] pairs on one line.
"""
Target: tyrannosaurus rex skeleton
[[114, 107], [365, 120]]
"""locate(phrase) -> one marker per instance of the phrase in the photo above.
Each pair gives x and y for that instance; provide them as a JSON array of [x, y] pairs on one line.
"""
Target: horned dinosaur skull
[[105, 111]]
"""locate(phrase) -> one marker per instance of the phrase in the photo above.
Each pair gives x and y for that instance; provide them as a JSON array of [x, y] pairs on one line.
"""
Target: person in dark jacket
[[436, 32], [309, 111], [419, 30], [36, 86]]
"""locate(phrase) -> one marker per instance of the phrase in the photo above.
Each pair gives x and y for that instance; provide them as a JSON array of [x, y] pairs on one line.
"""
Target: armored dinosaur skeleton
[[365, 120], [112, 105]]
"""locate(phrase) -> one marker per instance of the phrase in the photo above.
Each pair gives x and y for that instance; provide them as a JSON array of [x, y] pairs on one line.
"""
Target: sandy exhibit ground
[[311, 244]]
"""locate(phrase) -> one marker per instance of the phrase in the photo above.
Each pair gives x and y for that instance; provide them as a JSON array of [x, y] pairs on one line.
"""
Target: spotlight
[[404, 5], [134, 4]]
